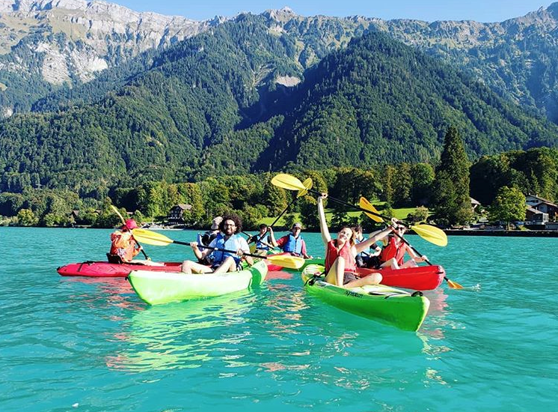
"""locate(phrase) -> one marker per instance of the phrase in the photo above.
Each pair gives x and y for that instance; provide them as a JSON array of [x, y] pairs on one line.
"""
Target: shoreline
[[503, 232]]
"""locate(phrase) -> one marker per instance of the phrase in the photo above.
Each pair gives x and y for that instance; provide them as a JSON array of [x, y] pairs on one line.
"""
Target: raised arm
[[272, 237], [374, 237], [326, 237]]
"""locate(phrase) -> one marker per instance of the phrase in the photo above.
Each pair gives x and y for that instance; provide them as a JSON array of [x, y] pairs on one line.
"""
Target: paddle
[[124, 223], [427, 232], [157, 239], [306, 186]]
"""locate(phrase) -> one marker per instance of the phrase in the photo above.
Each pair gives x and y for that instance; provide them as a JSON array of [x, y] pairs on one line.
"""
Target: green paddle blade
[[431, 234], [291, 262], [370, 210], [151, 238], [288, 182]]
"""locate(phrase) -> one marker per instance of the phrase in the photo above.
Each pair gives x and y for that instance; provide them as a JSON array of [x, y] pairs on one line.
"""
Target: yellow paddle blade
[[288, 182], [431, 234], [308, 185], [291, 262], [115, 209], [151, 238], [452, 284], [366, 205]]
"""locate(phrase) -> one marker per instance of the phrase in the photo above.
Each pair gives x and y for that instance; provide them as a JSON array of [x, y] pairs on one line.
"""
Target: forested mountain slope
[[380, 101], [211, 104]]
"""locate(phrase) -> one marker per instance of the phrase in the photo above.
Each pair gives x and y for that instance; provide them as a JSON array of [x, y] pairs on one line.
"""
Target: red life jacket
[[392, 250], [345, 252]]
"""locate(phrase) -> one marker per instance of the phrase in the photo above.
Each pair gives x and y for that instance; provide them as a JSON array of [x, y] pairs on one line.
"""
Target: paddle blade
[[431, 234], [151, 238], [308, 185], [288, 182], [291, 262], [370, 210], [452, 284]]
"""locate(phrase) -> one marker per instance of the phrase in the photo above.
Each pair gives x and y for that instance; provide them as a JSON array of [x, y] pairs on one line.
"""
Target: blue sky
[[429, 10]]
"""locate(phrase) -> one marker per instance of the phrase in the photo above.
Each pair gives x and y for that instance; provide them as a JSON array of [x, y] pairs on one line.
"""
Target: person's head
[[296, 229], [346, 234], [216, 222], [263, 228], [230, 225], [400, 229], [129, 225], [357, 230]]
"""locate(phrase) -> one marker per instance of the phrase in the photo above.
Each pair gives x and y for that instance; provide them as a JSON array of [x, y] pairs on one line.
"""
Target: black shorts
[[373, 262], [349, 277]]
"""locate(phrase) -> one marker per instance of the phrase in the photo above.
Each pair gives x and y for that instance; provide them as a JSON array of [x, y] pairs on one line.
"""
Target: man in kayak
[[123, 245], [293, 243], [340, 261], [264, 240], [228, 239]]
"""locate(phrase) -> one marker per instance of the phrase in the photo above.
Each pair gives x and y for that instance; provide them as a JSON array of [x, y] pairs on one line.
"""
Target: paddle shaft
[[453, 285], [411, 246], [216, 248], [276, 220], [350, 205]]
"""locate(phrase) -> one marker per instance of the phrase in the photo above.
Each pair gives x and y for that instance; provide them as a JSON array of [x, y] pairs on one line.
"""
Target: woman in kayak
[[340, 261], [393, 254], [123, 245]]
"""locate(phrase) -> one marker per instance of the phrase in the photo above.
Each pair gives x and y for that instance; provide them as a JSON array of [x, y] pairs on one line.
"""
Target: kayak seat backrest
[[114, 258]]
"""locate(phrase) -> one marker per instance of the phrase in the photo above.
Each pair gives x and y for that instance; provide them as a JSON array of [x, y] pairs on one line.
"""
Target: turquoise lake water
[[82, 344]]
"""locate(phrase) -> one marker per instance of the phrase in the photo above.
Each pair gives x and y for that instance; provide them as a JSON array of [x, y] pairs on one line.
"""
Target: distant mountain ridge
[[46, 45]]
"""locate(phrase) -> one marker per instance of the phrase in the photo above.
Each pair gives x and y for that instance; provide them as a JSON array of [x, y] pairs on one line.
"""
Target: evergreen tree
[[402, 186], [452, 201]]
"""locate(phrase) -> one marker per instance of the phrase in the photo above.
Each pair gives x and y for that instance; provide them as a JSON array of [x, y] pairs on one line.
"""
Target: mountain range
[[119, 97]]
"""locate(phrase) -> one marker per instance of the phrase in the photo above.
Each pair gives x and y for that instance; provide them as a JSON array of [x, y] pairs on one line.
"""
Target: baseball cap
[[298, 224]]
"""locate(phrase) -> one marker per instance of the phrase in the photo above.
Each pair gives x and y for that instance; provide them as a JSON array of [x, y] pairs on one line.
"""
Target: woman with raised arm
[[340, 261]]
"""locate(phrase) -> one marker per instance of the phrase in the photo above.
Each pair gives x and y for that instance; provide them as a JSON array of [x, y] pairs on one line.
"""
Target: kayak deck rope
[[316, 276]]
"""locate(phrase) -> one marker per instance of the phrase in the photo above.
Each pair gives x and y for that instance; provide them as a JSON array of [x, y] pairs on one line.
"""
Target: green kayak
[[377, 302], [164, 287]]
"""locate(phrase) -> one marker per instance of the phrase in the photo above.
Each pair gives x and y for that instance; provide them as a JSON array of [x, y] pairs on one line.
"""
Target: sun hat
[[131, 224]]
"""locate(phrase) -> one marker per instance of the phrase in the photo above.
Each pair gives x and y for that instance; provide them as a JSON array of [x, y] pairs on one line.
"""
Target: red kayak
[[112, 270], [416, 278], [121, 270]]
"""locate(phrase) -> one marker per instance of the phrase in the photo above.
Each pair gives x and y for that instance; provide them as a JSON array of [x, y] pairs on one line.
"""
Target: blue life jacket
[[260, 245], [293, 245], [231, 243]]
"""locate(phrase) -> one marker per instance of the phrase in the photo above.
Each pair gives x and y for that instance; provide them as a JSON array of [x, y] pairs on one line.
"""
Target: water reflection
[[184, 335]]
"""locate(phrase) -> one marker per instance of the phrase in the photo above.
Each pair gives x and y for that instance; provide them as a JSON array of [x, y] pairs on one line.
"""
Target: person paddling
[[293, 243], [264, 240], [123, 246], [222, 262], [393, 254], [340, 261]]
